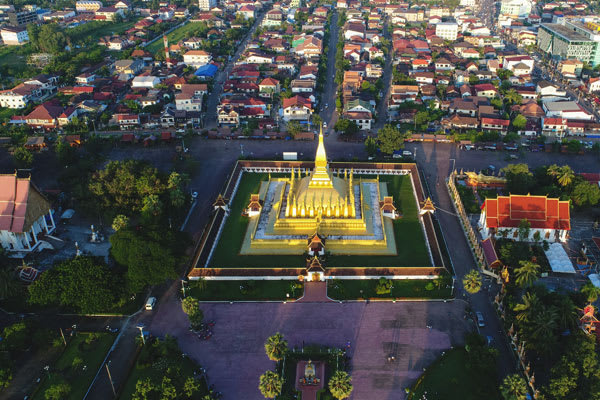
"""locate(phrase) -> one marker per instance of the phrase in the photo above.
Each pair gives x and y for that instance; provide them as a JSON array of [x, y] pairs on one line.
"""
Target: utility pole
[[63, 337], [141, 328], [112, 385]]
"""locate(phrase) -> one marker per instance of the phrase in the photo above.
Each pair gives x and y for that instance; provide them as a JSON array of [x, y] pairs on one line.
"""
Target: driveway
[[234, 357]]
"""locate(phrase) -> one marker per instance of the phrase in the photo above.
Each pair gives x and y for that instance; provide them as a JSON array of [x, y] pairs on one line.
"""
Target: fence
[[466, 226]]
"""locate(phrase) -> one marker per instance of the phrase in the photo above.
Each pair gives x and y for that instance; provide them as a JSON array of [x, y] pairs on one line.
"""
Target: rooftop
[[566, 33]]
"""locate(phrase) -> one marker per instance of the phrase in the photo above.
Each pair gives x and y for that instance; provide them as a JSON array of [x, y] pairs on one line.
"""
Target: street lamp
[[141, 328], [183, 282], [112, 385], [453, 165]]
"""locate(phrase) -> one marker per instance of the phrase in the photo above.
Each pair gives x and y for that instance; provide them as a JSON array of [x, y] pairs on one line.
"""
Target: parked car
[[480, 321], [150, 303]]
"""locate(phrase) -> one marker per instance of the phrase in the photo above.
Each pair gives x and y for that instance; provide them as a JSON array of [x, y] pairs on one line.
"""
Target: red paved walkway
[[315, 292]]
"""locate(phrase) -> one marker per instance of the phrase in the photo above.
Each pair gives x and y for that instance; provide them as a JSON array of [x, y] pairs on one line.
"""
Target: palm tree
[[340, 385], [531, 304], [514, 388], [543, 325], [472, 282], [527, 273], [553, 170], [567, 313], [276, 347], [513, 97], [590, 291], [270, 384], [565, 176]]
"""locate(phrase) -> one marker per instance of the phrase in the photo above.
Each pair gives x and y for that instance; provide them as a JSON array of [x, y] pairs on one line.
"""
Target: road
[[382, 107], [327, 107], [212, 101]]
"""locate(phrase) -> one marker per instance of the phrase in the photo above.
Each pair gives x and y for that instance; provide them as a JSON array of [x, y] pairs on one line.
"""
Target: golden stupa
[[320, 194], [331, 204]]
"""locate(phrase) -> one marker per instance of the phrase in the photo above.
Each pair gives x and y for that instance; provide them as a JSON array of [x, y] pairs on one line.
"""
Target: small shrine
[[388, 209], [221, 203], [310, 377], [316, 245], [588, 321], [427, 207], [254, 206], [315, 271]]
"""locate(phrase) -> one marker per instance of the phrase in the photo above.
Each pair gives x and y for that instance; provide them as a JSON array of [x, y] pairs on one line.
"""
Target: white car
[[324, 124], [150, 303]]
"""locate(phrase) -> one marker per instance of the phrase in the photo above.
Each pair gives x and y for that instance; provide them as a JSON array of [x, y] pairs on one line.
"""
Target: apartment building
[[565, 43], [447, 30], [14, 36], [206, 5]]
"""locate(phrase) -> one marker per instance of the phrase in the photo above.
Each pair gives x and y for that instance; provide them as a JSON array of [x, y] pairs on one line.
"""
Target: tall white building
[[14, 36], [520, 8], [447, 30], [206, 5]]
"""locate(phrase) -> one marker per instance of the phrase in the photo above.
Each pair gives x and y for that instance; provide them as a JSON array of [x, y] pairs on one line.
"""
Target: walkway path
[[315, 292]]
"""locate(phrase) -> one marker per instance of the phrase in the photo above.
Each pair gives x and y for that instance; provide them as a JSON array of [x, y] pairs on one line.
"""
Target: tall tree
[[590, 291], [84, 284], [585, 194], [472, 282], [530, 305], [527, 273], [340, 385], [514, 388], [519, 180], [391, 139], [276, 347], [270, 384]]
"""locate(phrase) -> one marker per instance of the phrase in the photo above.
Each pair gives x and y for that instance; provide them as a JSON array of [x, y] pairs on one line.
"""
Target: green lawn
[[449, 379], [350, 289], [409, 236], [246, 290], [182, 32], [92, 354]]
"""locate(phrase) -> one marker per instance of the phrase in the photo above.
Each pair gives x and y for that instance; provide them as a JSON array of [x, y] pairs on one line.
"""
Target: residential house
[[268, 86], [495, 124], [297, 108], [555, 127], [196, 58], [127, 121], [45, 116]]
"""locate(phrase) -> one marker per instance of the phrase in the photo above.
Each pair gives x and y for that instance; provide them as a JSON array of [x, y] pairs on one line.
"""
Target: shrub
[[384, 286]]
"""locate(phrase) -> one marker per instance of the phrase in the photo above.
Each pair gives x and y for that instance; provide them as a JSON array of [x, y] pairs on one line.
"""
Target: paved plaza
[[234, 357]]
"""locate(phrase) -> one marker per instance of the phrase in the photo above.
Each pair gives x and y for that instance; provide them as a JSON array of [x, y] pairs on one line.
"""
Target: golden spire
[[320, 176]]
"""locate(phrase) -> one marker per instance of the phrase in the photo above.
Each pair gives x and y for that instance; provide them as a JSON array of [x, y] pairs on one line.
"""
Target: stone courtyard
[[415, 333]]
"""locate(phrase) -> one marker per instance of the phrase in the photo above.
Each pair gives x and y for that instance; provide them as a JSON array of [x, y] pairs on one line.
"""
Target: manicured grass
[[92, 354], [108, 29], [449, 379], [182, 32], [226, 254], [409, 236], [350, 289], [246, 290]]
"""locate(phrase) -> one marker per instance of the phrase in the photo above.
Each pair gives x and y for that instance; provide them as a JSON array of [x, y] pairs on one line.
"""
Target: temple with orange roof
[[25, 214], [548, 216]]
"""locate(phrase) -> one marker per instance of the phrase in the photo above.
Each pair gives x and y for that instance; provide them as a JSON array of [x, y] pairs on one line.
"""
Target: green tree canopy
[[519, 180], [276, 347], [519, 122], [346, 126], [472, 282], [150, 256], [514, 388], [340, 385], [84, 284], [527, 273], [391, 139], [585, 194], [270, 384]]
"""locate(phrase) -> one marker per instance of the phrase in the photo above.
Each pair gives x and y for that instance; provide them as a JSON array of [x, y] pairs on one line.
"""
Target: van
[[150, 303]]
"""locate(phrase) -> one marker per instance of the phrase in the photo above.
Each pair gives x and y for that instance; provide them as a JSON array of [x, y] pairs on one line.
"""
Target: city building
[[14, 36], [196, 58], [20, 18], [206, 5], [564, 42], [517, 8], [447, 30], [90, 6]]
